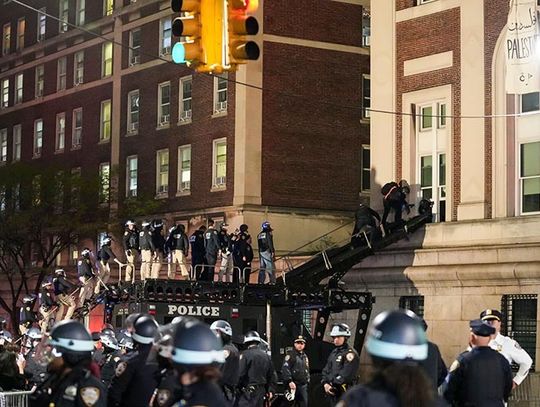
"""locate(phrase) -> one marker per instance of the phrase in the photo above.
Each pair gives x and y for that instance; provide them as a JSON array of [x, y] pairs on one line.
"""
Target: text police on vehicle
[[193, 310]]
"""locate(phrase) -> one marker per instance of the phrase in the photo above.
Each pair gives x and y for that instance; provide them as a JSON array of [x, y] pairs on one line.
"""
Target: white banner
[[523, 47]]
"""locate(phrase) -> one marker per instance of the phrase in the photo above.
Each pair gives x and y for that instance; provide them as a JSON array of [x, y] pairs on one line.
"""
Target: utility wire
[[280, 93]]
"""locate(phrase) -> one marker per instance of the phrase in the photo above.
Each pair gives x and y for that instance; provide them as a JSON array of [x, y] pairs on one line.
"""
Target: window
[[38, 137], [40, 80], [426, 177], [75, 187], [105, 128], [78, 68], [184, 168], [135, 47], [427, 117], [414, 303], [6, 39], [21, 27], [520, 321], [529, 177], [19, 88], [220, 93], [36, 190], [530, 102], [108, 7], [76, 138], [184, 114], [131, 176], [441, 120], [366, 28], [107, 59], [427, 187], [133, 112], [80, 11], [61, 74], [63, 15], [219, 170], [165, 36], [164, 107], [366, 169], [73, 255], [162, 172], [105, 182], [42, 24], [366, 96], [60, 140], [5, 93], [3, 146], [17, 137]]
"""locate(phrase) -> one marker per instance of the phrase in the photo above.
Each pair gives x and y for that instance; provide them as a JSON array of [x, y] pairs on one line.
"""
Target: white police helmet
[[340, 330]]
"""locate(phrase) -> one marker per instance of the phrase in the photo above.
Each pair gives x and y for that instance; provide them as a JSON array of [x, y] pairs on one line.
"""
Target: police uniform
[[509, 348], [364, 221], [46, 303], [27, 317], [341, 369], [159, 246], [198, 252], [104, 255], [226, 266], [243, 256], [108, 366], [257, 377], [86, 274], [134, 381], [131, 247], [230, 371], [169, 389], [202, 394], [77, 389], [296, 369], [146, 246], [62, 287], [212, 247], [481, 377], [265, 242], [178, 245], [35, 368]]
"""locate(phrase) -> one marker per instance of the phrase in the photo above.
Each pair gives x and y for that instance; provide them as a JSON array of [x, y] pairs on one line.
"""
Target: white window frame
[[61, 74], [6, 39], [134, 49], [80, 12], [19, 88], [133, 126], [218, 182], [3, 146], [38, 138], [162, 190], [420, 2], [366, 29], [60, 133], [105, 135], [131, 174], [17, 140], [41, 24], [421, 117], [5, 93], [63, 15], [521, 178], [164, 120], [19, 45], [184, 187], [108, 7], [366, 99], [104, 182], [76, 134], [40, 81], [364, 169], [165, 36], [78, 68], [220, 107], [106, 61], [185, 115]]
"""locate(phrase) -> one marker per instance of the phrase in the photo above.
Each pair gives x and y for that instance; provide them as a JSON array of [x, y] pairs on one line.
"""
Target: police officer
[[86, 275], [508, 347], [340, 371], [196, 355], [169, 387], [131, 248], [396, 343], [365, 221], [159, 246], [111, 357], [46, 303], [178, 246], [267, 253], [212, 249], [395, 199], [70, 383], [104, 255], [434, 365], [147, 249], [62, 288], [134, 381], [35, 367], [295, 372], [481, 377], [243, 255], [231, 368], [257, 375], [225, 246], [198, 252], [4, 333], [27, 316]]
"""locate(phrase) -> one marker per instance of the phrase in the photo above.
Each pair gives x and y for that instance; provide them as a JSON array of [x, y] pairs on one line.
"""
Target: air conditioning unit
[[185, 115], [135, 60], [221, 106], [185, 186], [165, 51], [164, 119], [163, 189], [132, 193], [220, 181]]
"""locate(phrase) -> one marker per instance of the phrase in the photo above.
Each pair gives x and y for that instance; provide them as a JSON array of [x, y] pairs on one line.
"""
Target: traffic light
[[240, 25], [202, 31]]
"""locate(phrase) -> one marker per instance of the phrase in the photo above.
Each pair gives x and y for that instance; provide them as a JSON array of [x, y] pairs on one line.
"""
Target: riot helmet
[[85, 252], [252, 336], [145, 224], [130, 320], [130, 223], [29, 299], [340, 330], [266, 225], [243, 228], [195, 345], [60, 273], [144, 329], [71, 337], [108, 331], [106, 240], [222, 326], [34, 334], [109, 341]]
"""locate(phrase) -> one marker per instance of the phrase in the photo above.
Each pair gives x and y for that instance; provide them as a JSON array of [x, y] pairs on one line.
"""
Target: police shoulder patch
[[120, 369], [350, 356], [163, 396], [454, 366], [90, 396]]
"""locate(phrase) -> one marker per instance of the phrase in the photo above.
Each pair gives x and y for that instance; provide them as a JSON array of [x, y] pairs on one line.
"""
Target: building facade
[[437, 70], [89, 86]]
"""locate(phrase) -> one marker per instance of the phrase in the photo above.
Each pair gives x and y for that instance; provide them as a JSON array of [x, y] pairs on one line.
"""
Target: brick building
[[441, 65], [205, 146]]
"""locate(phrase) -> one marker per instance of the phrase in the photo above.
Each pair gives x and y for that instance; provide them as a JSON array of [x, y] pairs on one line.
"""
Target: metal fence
[[14, 398]]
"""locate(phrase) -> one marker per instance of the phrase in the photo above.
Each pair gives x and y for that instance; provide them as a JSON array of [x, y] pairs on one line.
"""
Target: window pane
[[442, 115], [530, 159], [530, 102], [426, 164], [442, 169], [531, 195], [426, 117]]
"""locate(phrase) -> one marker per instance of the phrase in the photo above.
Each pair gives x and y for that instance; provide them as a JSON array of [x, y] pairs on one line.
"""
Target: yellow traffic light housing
[[240, 25]]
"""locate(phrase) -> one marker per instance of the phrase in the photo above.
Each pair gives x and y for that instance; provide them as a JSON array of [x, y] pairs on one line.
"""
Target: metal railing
[[14, 398]]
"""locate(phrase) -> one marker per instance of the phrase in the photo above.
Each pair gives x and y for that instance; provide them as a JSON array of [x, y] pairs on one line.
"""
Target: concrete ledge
[[428, 63]]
